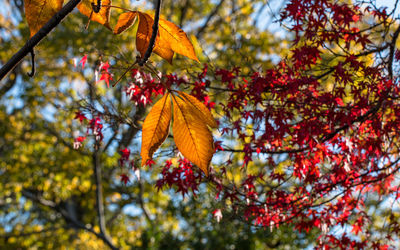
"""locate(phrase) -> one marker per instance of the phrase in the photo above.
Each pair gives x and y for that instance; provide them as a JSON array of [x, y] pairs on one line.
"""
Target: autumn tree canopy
[[187, 124]]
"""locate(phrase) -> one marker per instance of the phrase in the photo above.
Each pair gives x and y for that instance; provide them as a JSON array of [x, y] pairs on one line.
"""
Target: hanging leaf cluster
[[191, 121], [170, 38]]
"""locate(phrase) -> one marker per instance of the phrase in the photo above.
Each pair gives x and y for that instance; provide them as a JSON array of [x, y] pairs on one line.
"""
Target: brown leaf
[[125, 21], [103, 17], [170, 39], [155, 128], [200, 109], [191, 135], [38, 12]]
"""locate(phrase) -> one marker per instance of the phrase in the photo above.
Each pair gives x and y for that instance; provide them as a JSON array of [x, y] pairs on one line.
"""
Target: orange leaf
[[177, 39], [200, 109], [38, 12], [103, 17], [191, 135], [170, 39], [155, 128], [143, 35], [125, 21]]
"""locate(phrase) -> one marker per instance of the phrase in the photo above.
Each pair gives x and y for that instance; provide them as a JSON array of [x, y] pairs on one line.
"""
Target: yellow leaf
[[170, 39], [143, 36], [125, 21], [191, 135], [103, 17], [155, 128], [177, 39], [200, 109], [38, 12]]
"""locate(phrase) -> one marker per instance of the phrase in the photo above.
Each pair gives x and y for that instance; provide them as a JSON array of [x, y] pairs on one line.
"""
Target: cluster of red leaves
[[184, 177], [94, 127], [321, 127], [330, 113], [143, 88]]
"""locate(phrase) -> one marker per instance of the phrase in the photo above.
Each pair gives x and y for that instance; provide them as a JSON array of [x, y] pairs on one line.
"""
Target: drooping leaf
[[143, 36], [177, 39], [125, 21], [103, 17], [38, 12], [155, 128], [170, 39], [191, 134], [200, 109]]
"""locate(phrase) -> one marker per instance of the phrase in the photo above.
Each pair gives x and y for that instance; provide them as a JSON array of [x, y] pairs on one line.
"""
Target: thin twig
[[32, 73], [117, 7], [129, 69]]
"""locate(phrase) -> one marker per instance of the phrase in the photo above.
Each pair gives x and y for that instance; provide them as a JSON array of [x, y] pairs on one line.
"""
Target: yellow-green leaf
[[125, 21], [103, 17], [38, 12], [191, 134], [155, 128], [200, 109]]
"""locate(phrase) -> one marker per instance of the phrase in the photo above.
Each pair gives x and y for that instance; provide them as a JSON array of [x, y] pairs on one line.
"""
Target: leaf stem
[[153, 35], [126, 71], [118, 7]]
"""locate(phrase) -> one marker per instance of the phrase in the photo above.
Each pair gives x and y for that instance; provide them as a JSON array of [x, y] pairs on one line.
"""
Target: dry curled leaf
[[155, 128], [38, 12], [103, 17], [191, 134]]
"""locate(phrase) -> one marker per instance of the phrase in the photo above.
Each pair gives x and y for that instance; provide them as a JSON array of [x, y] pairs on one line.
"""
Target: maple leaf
[[191, 134], [102, 17], [155, 128], [38, 12]]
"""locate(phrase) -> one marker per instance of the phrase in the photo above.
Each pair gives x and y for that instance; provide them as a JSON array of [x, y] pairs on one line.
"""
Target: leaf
[[38, 12], [177, 39], [155, 128], [103, 17], [170, 39], [200, 109], [125, 21], [143, 35], [191, 135]]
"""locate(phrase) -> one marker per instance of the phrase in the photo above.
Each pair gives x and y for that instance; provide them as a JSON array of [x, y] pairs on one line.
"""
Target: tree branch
[[99, 200], [57, 208], [42, 33], [392, 50], [153, 35], [210, 16]]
